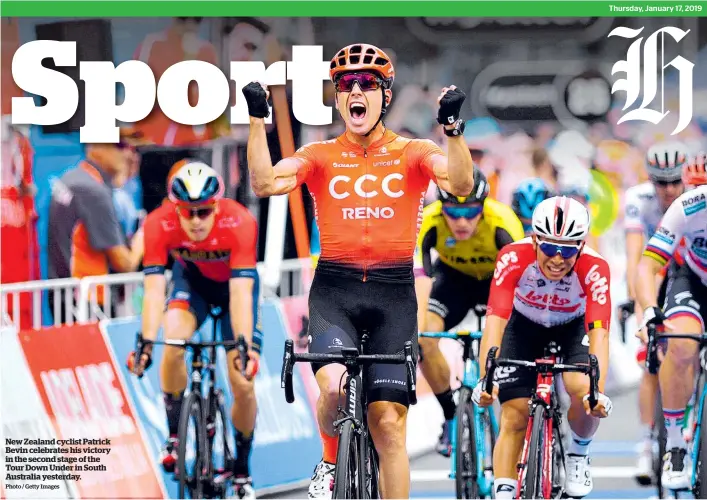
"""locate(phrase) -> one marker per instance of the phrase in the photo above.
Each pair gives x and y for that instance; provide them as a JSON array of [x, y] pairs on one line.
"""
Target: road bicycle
[[541, 470], [356, 474], [203, 422], [698, 444], [474, 429]]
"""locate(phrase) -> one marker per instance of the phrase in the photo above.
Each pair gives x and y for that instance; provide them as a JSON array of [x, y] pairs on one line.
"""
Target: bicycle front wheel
[[346, 484], [534, 480], [466, 467], [662, 437], [192, 447]]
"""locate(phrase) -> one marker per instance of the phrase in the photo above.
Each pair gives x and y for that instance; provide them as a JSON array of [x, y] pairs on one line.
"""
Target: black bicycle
[[698, 452], [356, 473], [203, 422]]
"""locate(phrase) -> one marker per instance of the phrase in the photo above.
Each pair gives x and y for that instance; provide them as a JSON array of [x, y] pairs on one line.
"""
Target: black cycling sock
[[244, 445], [173, 405], [446, 401]]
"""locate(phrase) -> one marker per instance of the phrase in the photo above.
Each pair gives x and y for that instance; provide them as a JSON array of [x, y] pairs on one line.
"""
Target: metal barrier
[[121, 295], [10, 293]]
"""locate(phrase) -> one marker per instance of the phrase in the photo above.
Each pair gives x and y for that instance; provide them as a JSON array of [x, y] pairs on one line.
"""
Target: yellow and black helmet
[[477, 195]]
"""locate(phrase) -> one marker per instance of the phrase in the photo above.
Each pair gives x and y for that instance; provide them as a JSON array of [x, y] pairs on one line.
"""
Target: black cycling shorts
[[673, 268], [454, 293], [686, 295], [200, 296], [341, 307], [526, 340]]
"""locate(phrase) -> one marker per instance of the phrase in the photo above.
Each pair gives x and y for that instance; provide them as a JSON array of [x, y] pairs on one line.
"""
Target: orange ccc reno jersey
[[368, 202], [228, 252]]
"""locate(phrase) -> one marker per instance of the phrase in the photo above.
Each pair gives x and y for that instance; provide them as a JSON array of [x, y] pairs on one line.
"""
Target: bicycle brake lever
[[593, 381], [490, 369], [410, 369], [286, 375]]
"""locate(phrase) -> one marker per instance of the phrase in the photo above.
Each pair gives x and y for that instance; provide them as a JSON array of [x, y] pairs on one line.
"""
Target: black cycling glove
[[450, 106], [653, 316], [256, 97]]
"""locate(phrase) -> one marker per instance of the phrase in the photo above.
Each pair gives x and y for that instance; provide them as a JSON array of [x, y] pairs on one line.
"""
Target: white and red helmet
[[561, 218]]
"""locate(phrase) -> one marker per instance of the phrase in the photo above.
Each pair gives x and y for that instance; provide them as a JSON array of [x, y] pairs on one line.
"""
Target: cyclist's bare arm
[[599, 346], [241, 307], [153, 305], [634, 248], [646, 288], [492, 336], [265, 179], [454, 173], [423, 288]]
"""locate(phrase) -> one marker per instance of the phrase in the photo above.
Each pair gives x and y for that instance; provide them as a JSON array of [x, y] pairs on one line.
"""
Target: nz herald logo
[[651, 56]]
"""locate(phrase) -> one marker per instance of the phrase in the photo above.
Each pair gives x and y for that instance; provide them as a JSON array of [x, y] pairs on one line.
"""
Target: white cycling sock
[[673, 426], [505, 488], [579, 445]]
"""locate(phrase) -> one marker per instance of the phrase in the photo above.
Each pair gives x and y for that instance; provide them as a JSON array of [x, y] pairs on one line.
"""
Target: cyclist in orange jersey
[[368, 187]]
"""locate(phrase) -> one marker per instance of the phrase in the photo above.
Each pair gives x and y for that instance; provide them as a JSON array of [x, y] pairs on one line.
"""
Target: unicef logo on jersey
[[450, 242]]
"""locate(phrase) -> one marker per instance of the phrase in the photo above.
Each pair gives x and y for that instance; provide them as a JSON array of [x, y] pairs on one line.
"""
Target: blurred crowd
[[595, 164]]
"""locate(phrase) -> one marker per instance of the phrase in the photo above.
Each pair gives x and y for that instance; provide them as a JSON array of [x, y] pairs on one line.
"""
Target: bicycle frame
[[470, 341]]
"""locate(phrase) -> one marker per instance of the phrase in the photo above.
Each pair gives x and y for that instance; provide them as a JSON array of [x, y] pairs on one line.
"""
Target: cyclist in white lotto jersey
[[645, 205], [686, 297]]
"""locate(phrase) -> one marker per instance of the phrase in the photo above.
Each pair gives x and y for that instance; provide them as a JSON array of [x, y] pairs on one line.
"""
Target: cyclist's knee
[[576, 385], [681, 351], [514, 416], [387, 422], [428, 345], [179, 324], [329, 379]]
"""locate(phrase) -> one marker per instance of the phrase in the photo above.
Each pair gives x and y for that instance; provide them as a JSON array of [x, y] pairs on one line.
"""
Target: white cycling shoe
[[644, 465], [322, 484], [676, 469], [578, 482]]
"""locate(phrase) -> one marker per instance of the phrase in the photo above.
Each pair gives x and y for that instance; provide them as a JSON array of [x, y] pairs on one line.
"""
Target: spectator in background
[[544, 169], [85, 235], [180, 42]]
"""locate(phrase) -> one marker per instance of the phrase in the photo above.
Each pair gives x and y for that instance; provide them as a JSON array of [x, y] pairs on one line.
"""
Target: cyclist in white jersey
[[686, 296], [645, 205]]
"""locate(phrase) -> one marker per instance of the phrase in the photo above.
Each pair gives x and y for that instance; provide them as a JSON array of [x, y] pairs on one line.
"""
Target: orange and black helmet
[[694, 173], [362, 57]]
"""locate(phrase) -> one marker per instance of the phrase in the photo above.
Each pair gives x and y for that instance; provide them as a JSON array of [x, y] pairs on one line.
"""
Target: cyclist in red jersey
[[548, 287], [213, 242], [368, 187]]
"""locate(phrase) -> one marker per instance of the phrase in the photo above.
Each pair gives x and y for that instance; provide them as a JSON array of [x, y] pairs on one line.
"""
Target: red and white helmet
[[665, 160], [561, 218], [694, 173]]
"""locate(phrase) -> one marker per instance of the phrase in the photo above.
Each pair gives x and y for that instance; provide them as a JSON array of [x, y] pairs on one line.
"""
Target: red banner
[[81, 390]]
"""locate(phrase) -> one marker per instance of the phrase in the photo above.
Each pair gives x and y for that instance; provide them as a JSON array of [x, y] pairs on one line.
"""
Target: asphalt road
[[613, 458]]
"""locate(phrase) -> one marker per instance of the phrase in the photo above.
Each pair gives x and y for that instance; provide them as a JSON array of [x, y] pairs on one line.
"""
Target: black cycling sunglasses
[[667, 183], [202, 213]]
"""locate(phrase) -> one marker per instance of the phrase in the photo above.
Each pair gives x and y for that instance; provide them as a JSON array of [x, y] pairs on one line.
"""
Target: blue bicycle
[[474, 430], [698, 450]]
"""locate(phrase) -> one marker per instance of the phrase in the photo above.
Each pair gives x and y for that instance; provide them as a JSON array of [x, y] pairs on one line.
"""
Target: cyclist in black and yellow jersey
[[467, 234]]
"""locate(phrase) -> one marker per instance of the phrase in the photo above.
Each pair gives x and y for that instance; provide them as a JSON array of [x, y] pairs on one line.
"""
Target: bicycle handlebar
[[652, 345], [546, 365], [350, 358], [451, 335], [184, 344]]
